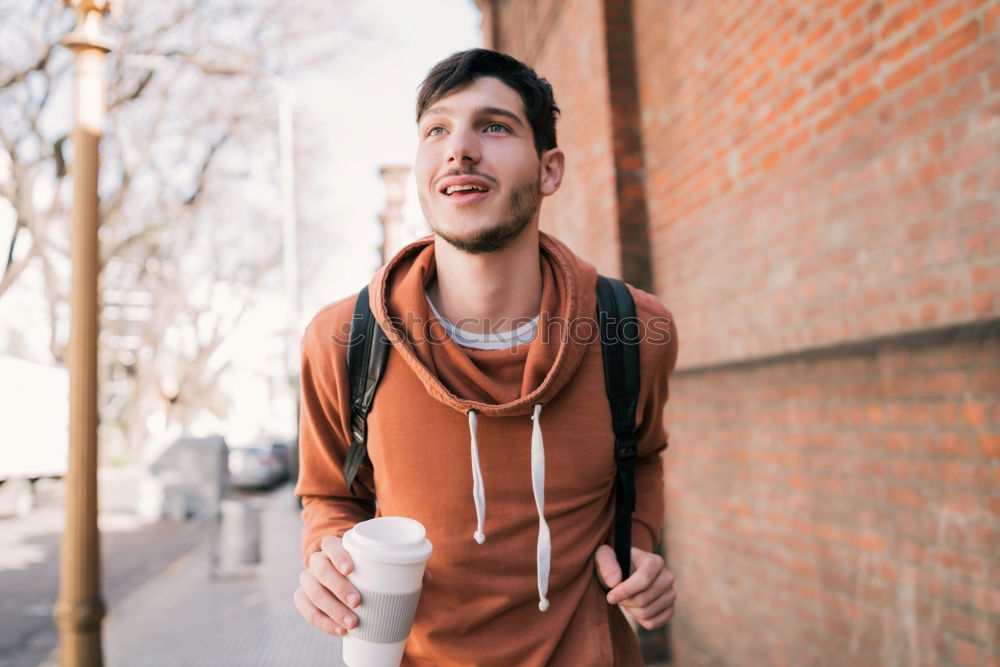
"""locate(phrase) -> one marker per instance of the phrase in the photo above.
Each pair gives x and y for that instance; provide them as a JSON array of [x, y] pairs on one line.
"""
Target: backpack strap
[[620, 347], [366, 357]]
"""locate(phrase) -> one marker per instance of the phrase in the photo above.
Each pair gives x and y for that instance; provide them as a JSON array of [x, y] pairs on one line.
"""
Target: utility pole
[[80, 608], [289, 225]]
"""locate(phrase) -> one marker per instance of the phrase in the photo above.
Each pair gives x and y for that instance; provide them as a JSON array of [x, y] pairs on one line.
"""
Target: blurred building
[[399, 224], [813, 189]]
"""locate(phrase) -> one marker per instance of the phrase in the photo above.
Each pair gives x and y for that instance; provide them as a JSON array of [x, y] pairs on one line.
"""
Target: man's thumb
[[607, 566]]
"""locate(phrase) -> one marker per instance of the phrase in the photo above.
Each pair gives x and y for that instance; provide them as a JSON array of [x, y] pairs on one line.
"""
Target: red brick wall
[[840, 508], [822, 181], [820, 171], [564, 42]]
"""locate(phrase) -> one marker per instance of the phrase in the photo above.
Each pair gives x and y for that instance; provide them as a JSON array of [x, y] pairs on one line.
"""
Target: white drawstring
[[478, 492], [544, 553], [544, 550]]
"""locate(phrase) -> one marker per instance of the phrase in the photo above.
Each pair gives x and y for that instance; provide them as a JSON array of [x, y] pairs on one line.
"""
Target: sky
[[367, 103]]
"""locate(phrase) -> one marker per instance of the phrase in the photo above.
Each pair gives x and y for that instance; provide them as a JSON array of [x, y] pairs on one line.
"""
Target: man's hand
[[324, 594], [648, 595]]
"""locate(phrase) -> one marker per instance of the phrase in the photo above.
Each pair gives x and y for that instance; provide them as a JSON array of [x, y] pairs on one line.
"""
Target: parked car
[[284, 454], [256, 466]]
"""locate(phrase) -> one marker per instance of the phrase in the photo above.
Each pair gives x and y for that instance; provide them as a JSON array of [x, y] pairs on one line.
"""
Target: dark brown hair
[[464, 67]]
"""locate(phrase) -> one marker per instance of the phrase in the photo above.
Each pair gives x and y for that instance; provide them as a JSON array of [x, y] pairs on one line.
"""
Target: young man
[[487, 368]]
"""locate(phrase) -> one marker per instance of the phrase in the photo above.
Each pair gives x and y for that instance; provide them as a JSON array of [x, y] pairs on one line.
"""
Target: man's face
[[479, 177]]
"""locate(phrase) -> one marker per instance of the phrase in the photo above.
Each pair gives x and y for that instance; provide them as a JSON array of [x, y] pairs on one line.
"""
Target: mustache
[[469, 171]]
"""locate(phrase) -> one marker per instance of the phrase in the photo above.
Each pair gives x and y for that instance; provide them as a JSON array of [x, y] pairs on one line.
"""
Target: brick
[[906, 15], [968, 536], [894, 52], [982, 303], [824, 75], [993, 506], [965, 652], [926, 88], [951, 472], [964, 564], [985, 381], [955, 41], [905, 497], [911, 551], [862, 100], [982, 476], [848, 7], [974, 414], [819, 32], [989, 445], [945, 414], [926, 32], [993, 411], [874, 12], [964, 97], [987, 598], [906, 72], [992, 18], [975, 62], [942, 383], [949, 444]]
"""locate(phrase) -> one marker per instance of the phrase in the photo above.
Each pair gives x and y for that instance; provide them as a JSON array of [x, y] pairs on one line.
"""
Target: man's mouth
[[463, 189]]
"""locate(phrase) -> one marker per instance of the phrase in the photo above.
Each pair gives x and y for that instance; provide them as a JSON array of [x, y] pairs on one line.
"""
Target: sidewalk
[[183, 617]]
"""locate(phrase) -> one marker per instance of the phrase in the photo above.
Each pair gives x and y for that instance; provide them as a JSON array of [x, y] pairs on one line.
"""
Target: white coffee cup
[[389, 555]]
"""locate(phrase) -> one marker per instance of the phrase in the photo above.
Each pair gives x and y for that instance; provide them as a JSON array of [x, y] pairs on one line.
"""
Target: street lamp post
[[80, 608]]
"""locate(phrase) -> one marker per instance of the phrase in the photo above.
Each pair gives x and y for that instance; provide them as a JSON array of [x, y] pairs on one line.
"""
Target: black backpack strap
[[366, 357], [620, 345]]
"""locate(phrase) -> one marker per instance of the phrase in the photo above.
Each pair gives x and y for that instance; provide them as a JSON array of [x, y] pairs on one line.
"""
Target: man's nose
[[463, 147]]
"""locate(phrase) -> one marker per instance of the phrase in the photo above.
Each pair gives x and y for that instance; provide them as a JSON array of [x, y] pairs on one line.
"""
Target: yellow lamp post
[[80, 608]]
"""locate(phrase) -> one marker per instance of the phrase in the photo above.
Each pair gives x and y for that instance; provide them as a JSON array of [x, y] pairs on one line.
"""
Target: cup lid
[[397, 540]]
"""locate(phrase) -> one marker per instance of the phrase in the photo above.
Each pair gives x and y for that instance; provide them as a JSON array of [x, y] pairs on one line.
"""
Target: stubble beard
[[524, 202]]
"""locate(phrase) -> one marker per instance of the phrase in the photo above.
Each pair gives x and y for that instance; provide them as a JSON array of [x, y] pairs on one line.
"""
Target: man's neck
[[488, 291]]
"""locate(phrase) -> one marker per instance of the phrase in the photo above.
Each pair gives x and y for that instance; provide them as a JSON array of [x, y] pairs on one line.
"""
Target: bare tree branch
[[206, 163], [132, 94], [54, 298], [39, 65], [18, 226]]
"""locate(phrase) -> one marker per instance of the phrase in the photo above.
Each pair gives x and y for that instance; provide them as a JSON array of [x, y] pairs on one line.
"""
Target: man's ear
[[553, 164]]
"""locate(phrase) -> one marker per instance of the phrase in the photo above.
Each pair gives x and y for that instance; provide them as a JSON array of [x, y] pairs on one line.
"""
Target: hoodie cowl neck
[[466, 379]]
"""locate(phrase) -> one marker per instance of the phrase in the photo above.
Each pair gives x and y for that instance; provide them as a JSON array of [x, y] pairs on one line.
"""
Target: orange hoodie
[[532, 423]]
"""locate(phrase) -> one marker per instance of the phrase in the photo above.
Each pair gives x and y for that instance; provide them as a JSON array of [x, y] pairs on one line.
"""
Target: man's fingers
[[332, 580], [661, 584], [640, 580], [653, 608], [607, 566], [648, 566], [334, 550], [659, 620], [314, 616], [322, 598]]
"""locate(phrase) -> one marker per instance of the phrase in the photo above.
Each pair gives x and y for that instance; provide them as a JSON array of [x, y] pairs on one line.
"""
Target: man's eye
[[437, 129], [492, 127]]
